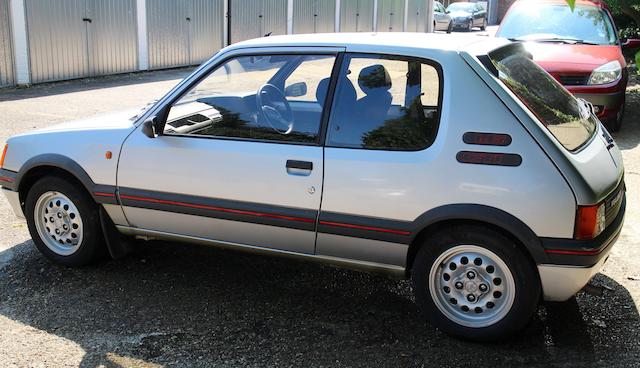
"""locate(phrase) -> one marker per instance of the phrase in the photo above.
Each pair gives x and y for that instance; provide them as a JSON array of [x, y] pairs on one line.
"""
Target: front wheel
[[470, 26], [484, 25], [64, 222], [450, 28], [474, 283]]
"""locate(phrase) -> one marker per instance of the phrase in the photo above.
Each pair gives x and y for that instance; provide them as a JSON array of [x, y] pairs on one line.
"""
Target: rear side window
[[567, 118], [385, 103]]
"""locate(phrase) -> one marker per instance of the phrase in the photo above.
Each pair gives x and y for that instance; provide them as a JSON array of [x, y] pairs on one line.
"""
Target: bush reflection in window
[[394, 106], [253, 97]]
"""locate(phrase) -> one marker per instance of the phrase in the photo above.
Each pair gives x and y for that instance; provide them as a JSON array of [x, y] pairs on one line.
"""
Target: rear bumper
[[560, 283], [574, 262]]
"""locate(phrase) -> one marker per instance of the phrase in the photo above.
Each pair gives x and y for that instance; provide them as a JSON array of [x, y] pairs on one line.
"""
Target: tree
[[630, 8]]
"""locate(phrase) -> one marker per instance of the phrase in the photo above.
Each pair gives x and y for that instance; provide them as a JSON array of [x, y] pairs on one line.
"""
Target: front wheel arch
[[53, 165]]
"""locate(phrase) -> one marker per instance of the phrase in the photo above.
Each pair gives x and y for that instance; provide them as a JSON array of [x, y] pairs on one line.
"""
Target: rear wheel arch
[[446, 217]]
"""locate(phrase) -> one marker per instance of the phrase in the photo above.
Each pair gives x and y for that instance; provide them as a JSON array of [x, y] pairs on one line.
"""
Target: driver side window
[[253, 97]]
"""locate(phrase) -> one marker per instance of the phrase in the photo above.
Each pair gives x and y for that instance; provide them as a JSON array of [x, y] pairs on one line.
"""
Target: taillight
[[4, 153], [590, 222]]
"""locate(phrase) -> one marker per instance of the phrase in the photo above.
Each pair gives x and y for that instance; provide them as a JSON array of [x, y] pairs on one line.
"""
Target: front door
[[239, 159]]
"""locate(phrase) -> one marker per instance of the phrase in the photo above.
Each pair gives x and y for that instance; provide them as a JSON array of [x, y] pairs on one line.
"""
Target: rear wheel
[[64, 222], [450, 27], [475, 283]]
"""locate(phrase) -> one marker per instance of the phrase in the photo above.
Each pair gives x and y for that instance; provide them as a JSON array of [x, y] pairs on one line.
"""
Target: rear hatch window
[[567, 118]]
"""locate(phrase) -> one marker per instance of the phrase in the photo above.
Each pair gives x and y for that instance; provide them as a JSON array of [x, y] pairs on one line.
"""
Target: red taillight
[[4, 153], [590, 221]]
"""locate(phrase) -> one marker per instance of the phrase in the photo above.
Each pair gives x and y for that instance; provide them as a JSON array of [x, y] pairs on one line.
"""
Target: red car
[[579, 47]]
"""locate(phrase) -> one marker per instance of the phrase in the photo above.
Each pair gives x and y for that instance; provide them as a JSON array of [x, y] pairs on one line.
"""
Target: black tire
[[450, 28], [92, 246], [527, 285], [470, 26], [484, 25]]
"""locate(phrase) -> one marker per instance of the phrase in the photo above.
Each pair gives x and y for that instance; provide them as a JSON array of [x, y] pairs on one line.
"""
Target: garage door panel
[[206, 29], [168, 33], [112, 36], [356, 16], [7, 75], [57, 39]]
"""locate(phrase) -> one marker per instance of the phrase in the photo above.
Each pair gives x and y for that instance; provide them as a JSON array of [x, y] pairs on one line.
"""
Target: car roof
[[381, 40]]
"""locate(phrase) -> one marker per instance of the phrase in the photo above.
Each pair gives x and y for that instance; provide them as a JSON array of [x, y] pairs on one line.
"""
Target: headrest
[[347, 91], [374, 78], [321, 91]]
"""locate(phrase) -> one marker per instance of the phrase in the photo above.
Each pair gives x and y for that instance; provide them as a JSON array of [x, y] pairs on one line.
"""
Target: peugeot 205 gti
[[356, 150]]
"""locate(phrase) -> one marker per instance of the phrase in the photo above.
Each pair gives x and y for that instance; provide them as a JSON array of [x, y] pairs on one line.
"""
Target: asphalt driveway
[[172, 304]]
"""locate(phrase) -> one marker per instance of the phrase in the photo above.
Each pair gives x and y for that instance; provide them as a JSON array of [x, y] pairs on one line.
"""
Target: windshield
[[467, 7], [556, 22], [567, 118]]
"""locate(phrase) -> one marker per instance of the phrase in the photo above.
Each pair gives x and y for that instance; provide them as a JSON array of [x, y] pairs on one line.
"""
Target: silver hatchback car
[[454, 161]]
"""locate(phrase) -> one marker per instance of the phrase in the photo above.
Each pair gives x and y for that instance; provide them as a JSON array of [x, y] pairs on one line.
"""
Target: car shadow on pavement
[[175, 304]]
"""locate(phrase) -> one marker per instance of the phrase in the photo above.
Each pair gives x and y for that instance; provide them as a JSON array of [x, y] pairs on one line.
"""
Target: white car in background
[[441, 19]]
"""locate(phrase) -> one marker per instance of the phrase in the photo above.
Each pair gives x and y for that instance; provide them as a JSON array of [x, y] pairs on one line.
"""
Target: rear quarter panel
[[404, 185]]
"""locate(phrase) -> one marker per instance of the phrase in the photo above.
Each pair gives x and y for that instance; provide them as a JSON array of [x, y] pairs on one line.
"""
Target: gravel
[[171, 304]]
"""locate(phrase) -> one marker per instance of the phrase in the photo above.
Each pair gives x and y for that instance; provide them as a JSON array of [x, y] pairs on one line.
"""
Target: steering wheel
[[275, 109]]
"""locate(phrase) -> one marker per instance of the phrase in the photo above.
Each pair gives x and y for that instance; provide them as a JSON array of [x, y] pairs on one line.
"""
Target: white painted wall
[[20, 42]]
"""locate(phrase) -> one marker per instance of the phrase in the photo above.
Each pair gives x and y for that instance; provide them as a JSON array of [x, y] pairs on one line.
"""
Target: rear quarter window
[[568, 119]]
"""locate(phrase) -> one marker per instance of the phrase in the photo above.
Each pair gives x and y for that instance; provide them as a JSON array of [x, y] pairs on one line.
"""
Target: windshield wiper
[[565, 40]]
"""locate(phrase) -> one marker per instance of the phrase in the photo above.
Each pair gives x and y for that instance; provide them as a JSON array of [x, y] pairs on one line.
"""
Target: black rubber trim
[[64, 163], [105, 194], [585, 252], [366, 227], [8, 179], [302, 165], [294, 218], [490, 215], [487, 139]]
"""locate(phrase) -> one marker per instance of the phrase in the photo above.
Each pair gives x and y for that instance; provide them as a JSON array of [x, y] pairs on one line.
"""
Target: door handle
[[87, 20], [300, 165]]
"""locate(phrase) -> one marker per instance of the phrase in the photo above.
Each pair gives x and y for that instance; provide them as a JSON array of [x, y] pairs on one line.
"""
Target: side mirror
[[150, 127], [296, 90], [447, 11], [631, 43]]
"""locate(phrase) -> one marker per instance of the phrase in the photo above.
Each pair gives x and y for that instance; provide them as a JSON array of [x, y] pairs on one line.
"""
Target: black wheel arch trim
[[69, 165], [486, 214]]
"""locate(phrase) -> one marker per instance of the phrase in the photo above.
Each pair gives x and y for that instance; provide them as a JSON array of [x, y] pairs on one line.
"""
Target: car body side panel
[[204, 169], [402, 185], [589, 171], [84, 143]]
